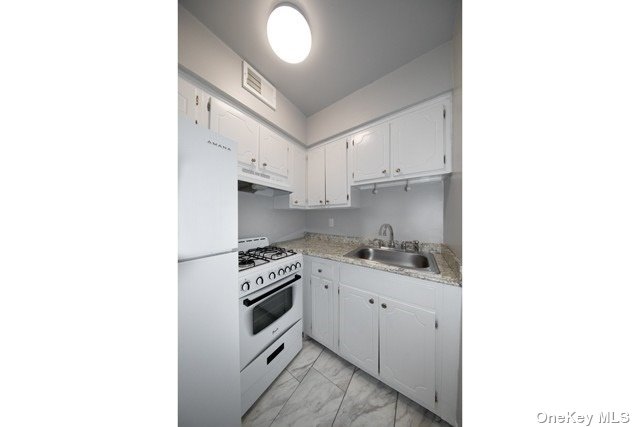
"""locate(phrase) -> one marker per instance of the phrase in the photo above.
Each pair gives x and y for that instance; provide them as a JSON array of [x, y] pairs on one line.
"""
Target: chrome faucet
[[383, 232]]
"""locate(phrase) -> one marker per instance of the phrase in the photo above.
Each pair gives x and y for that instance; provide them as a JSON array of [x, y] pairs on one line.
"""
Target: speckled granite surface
[[334, 247]]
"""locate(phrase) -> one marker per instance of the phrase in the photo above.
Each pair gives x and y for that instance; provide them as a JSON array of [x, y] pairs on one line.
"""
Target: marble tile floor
[[319, 388]]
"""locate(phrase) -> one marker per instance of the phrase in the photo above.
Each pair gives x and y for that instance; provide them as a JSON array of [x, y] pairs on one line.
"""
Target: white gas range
[[270, 301]]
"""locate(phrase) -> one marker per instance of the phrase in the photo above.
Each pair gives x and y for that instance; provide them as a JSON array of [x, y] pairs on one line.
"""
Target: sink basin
[[416, 261]]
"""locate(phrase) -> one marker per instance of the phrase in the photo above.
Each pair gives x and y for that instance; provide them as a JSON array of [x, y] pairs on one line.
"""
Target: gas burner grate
[[271, 252]]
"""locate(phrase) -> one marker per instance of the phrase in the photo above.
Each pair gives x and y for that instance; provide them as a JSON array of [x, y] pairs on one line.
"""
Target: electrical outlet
[[331, 222]]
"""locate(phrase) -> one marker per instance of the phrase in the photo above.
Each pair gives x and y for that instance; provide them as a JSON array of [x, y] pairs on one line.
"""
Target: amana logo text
[[224, 147]]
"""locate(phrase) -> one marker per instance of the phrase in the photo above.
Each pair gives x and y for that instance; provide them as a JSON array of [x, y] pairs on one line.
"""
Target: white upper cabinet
[[192, 102], [418, 142], [315, 177], [371, 153], [238, 127], [336, 180], [298, 196], [408, 350], [274, 152]]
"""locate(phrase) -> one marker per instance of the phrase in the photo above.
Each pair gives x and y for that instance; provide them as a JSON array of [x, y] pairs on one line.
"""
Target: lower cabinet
[[322, 310], [358, 332], [401, 330], [408, 350]]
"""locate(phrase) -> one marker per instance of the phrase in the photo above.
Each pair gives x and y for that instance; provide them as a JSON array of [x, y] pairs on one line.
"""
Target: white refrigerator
[[208, 318]]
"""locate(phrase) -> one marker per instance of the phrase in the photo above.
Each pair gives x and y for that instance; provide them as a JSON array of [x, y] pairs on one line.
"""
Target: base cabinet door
[[408, 350], [322, 310], [359, 327]]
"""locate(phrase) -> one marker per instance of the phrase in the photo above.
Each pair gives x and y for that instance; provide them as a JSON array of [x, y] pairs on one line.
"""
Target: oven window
[[271, 309]]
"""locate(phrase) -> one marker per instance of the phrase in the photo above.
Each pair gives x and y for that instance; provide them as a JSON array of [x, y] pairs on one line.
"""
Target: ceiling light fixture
[[289, 34]]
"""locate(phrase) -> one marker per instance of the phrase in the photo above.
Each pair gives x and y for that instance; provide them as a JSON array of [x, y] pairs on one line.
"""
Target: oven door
[[267, 314]]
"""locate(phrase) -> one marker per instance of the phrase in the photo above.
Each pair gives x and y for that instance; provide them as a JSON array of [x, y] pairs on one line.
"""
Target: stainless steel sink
[[412, 260]]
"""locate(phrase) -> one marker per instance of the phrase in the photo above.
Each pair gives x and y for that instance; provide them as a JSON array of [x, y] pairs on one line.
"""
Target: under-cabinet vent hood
[[259, 189]]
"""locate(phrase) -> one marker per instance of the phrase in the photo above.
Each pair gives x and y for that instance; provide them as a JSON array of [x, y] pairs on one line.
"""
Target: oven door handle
[[249, 302]]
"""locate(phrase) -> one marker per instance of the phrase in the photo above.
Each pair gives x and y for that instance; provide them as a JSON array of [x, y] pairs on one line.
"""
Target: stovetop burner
[[258, 256]]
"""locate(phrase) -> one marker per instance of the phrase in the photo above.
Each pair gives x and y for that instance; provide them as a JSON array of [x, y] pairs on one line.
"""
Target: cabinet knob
[[384, 171], [370, 300], [319, 270], [326, 286], [253, 160], [321, 201], [264, 164], [398, 170], [384, 305], [296, 202], [326, 201]]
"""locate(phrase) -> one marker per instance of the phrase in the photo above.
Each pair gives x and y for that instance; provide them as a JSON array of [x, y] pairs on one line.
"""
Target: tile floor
[[319, 388]]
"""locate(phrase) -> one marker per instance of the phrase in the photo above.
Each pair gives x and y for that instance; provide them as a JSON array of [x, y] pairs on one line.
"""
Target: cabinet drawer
[[322, 269]]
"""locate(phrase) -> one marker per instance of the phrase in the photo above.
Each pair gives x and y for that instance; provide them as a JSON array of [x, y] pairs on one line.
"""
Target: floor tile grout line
[[285, 403], [299, 382], [395, 413], [343, 396]]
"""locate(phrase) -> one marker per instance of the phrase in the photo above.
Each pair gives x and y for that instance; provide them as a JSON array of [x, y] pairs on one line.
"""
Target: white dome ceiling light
[[289, 34]]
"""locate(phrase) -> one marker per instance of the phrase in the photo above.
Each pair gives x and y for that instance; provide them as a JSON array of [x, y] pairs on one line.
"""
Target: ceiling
[[354, 42]]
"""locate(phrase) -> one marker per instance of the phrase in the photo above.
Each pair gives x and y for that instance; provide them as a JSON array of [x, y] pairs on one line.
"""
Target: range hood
[[260, 189]]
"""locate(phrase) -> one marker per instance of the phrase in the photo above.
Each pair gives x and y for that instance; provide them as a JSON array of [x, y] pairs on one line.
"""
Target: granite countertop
[[334, 247]]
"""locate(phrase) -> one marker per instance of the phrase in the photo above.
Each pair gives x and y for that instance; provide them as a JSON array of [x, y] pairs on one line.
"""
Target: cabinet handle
[[370, 300], [253, 160], [384, 171], [326, 286], [398, 170], [384, 305], [264, 164]]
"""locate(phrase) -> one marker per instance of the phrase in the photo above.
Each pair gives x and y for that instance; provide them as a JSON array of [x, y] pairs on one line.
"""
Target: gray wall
[[257, 217], [204, 55], [414, 215], [425, 77], [453, 188]]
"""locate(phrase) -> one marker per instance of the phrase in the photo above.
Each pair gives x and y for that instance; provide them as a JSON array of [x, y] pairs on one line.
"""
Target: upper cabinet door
[[238, 127], [191, 102], [274, 152], [336, 173], [315, 177], [371, 153], [408, 350], [298, 196], [418, 141]]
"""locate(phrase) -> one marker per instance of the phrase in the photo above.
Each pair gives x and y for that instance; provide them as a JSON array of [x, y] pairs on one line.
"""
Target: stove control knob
[[287, 269], [272, 275], [259, 280], [298, 265], [245, 286], [280, 272]]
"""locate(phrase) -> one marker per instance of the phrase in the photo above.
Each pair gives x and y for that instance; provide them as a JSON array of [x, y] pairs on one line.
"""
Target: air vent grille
[[255, 83], [254, 80]]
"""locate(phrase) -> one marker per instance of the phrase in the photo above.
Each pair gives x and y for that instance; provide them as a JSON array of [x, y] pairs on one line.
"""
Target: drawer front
[[413, 291], [322, 269], [259, 374]]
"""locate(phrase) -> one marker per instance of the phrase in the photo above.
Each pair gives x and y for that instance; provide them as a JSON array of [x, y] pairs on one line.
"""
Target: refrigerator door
[[207, 192], [208, 342]]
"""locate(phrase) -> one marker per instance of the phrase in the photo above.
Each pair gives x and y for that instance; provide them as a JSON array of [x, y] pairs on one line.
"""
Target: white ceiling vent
[[258, 85]]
